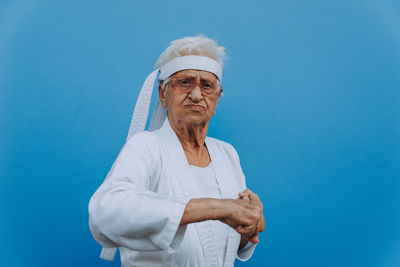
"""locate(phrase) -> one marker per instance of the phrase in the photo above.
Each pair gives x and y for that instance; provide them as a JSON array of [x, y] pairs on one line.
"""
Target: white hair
[[198, 45]]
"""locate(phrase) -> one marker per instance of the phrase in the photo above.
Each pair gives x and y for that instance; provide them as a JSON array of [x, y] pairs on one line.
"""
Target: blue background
[[311, 103]]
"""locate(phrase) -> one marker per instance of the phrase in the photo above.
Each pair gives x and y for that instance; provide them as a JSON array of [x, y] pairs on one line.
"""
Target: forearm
[[241, 215], [202, 209]]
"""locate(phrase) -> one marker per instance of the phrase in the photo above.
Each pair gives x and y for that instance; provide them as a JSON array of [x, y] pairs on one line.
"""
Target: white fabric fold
[[108, 253], [158, 117], [246, 252], [141, 111]]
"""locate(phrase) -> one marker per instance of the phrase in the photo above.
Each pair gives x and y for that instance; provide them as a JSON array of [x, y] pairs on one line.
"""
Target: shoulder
[[225, 147], [145, 143], [227, 151], [143, 138]]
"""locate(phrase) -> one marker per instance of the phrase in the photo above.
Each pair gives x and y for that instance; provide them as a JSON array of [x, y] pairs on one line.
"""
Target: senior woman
[[175, 197]]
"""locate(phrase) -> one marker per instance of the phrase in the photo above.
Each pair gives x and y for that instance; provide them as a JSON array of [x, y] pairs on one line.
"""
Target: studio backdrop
[[311, 103]]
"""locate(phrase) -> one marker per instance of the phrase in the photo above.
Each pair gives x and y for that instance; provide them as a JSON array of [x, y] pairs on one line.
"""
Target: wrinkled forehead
[[202, 74]]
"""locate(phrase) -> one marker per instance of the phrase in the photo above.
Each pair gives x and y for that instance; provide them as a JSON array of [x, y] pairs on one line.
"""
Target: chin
[[196, 119]]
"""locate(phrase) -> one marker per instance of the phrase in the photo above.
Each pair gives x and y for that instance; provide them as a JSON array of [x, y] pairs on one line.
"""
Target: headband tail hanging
[[158, 117], [141, 111]]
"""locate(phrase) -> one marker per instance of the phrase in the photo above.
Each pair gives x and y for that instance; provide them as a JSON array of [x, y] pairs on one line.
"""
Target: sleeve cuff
[[175, 233], [246, 252]]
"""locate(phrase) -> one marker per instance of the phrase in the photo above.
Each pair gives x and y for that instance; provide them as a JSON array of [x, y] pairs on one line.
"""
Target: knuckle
[[254, 216]]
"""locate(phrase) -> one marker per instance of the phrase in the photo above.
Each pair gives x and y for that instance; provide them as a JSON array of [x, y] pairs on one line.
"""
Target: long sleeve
[[246, 252], [124, 212]]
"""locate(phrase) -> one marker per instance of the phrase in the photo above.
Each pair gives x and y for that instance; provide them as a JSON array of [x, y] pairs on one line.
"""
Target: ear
[[162, 94], [221, 91], [216, 103]]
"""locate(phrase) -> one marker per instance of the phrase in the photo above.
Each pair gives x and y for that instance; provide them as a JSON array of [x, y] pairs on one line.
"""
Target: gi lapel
[[190, 190], [229, 189]]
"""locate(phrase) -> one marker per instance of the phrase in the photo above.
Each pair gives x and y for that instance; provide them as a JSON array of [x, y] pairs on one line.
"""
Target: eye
[[185, 82], [207, 85]]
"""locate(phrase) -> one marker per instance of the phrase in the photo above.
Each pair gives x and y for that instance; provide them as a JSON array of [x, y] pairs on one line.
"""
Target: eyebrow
[[191, 76]]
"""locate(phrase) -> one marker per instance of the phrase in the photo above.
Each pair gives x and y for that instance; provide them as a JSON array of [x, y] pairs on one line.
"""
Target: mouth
[[195, 107]]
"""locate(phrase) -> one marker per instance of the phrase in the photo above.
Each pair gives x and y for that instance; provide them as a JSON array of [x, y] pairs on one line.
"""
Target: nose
[[196, 95]]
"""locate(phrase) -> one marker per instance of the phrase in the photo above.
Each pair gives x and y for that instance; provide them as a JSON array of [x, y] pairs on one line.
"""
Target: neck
[[191, 136]]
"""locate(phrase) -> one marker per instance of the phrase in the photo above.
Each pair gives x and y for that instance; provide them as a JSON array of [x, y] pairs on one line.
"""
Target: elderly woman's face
[[191, 106]]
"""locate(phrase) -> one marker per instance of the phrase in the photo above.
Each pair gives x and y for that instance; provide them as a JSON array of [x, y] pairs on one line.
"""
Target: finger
[[254, 197], [250, 230], [262, 224], [259, 227], [254, 239], [245, 198], [245, 192], [241, 196], [240, 229]]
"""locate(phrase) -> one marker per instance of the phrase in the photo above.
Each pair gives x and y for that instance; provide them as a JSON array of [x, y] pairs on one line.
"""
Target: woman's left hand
[[247, 194]]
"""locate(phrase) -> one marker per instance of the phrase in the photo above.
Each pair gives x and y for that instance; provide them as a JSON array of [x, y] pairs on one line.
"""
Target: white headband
[[141, 111], [191, 62]]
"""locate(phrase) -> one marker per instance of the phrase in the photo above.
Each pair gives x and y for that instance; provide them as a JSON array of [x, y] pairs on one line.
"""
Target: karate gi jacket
[[139, 206]]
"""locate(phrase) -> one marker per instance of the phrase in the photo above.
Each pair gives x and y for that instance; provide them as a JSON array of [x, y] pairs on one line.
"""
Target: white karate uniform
[[140, 204]]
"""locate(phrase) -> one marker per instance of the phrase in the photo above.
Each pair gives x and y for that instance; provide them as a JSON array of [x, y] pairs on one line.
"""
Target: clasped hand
[[246, 215]]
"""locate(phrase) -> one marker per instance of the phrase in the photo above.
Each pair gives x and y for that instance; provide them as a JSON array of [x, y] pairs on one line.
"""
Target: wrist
[[223, 208]]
